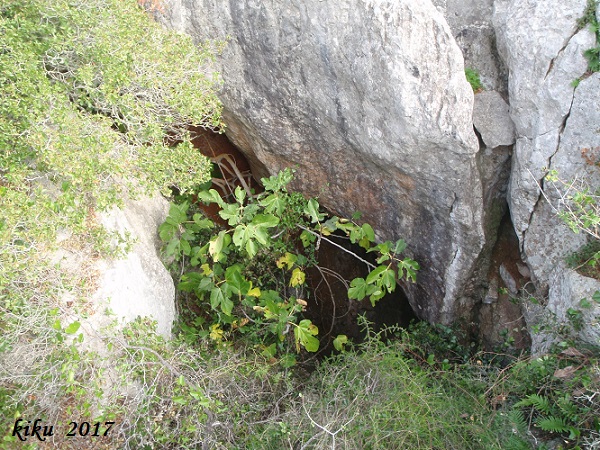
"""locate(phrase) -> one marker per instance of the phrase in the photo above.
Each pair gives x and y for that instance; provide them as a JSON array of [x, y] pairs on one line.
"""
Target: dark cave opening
[[329, 307]]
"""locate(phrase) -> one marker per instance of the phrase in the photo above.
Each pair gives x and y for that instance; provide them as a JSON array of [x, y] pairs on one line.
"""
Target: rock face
[[472, 26], [367, 99], [492, 120], [138, 285], [555, 122]]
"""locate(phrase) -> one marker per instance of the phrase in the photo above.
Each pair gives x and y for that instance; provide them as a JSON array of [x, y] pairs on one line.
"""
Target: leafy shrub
[[89, 93], [282, 230]]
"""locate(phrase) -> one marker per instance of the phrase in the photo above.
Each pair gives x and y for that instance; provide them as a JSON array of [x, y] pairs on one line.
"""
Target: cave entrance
[[331, 309], [328, 305]]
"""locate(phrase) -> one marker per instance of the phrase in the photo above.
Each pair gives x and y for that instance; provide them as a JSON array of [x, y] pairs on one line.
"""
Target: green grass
[[473, 79]]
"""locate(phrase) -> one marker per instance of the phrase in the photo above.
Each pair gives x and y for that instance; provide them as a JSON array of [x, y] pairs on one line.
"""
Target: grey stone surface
[[566, 291], [508, 280], [544, 54], [555, 122], [492, 120], [138, 285], [368, 100], [472, 27]]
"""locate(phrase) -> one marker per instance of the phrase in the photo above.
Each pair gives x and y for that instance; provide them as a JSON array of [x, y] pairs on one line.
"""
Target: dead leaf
[[565, 373], [572, 351]]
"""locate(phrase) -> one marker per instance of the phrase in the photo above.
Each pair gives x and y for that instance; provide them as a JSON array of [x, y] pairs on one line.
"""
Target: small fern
[[517, 420], [516, 443], [568, 409], [539, 402], [553, 424]]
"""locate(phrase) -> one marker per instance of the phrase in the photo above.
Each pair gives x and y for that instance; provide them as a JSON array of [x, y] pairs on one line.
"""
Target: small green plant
[[579, 208], [586, 260], [590, 19], [473, 79]]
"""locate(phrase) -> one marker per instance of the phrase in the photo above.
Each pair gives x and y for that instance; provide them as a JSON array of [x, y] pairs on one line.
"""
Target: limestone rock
[[492, 120], [544, 54], [508, 280], [368, 100], [139, 284], [567, 290], [472, 27], [555, 122], [548, 240]]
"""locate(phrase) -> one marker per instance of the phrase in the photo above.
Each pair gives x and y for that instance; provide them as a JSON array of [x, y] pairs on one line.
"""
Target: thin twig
[[320, 236]]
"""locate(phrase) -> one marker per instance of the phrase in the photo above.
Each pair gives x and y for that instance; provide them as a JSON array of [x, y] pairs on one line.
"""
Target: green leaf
[[312, 210], [377, 295], [287, 360], [236, 281], [383, 258], [210, 196], [304, 333], [178, 213], [365, 243], [227, 306], [185, 247], [265, 220], [216, 297], [298, 277], [340, 341], [251, 248], [358, 289], [375, 274], [596, 297], [400, 246], [240, 195], [230, 213], [167, 230], [388, 280], [190, 281], [173, 248], [307, 238], [72, 328], [216, 245], [274, 203], [553, 424], [261, 236], [278, 182], [368, 230], [270, 351], [202, 222]]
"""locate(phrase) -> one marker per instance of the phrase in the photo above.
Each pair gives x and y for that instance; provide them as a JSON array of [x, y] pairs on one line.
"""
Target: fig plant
[[250, 275]]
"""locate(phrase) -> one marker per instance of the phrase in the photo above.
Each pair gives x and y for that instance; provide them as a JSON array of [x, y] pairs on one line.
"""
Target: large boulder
[[368, 100], [136, 284], [556, 119]]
